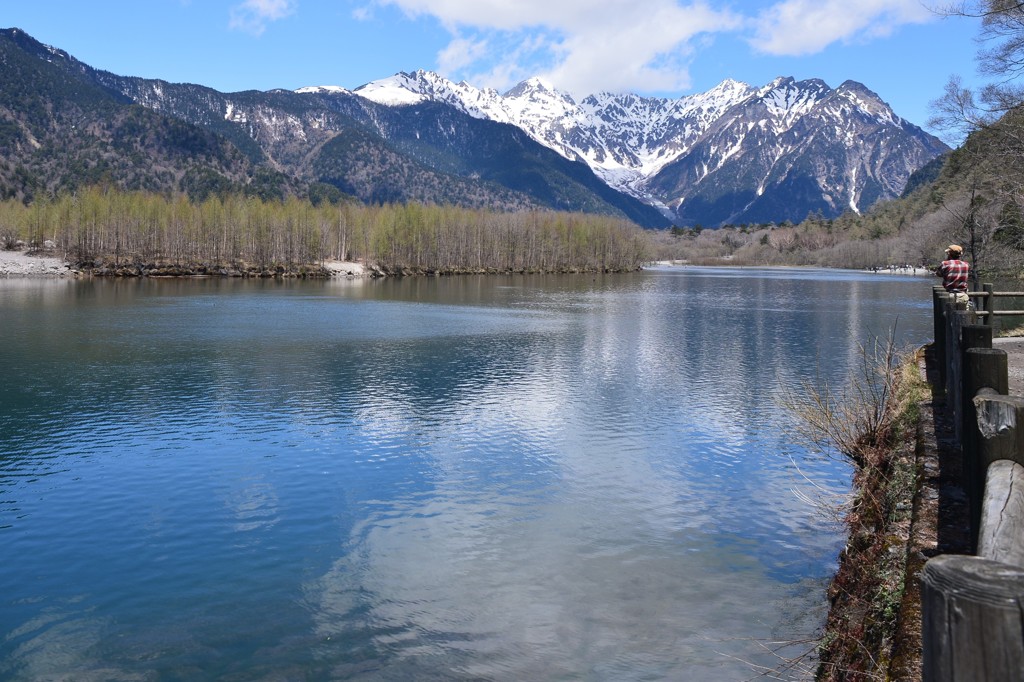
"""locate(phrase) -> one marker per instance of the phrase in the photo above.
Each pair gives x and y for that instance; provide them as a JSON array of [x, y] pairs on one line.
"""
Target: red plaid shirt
[[954, 275]]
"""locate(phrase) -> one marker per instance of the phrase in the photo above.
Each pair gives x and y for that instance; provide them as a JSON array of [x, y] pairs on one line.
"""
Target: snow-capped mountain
[[733, 154], [623, 138]]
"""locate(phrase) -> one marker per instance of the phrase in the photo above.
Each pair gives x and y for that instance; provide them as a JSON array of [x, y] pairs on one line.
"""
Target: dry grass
[[869, 423], [854, 420]]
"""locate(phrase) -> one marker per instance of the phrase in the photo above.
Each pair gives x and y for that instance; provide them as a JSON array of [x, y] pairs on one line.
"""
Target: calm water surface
[[494, 478]]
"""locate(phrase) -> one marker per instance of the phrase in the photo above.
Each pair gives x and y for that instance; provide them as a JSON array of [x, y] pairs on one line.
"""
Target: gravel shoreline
[[21, 264], [17, 264]]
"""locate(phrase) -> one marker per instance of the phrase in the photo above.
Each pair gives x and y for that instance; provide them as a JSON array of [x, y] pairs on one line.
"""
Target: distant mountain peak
[[402, 89], [729, 86], [541, 92], [534, 84], [27, 42], [779, 82], [855, 86], [861, 98]]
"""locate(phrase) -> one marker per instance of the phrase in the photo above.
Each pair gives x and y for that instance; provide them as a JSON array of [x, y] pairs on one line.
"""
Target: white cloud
[[580, 45], [584, 46], [522, 55], [460, 53], [650, 52], [802, 27], [252, 16]]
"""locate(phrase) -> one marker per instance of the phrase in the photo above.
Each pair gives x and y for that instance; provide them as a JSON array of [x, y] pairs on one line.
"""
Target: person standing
[[954, 273]]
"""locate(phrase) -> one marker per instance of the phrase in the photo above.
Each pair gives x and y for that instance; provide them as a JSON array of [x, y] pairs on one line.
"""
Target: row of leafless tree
[[137, 227]]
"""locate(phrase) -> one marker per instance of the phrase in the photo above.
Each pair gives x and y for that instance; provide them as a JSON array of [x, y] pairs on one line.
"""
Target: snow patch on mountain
[[735, 140], [322, 90], [394, 91], [624, 138]]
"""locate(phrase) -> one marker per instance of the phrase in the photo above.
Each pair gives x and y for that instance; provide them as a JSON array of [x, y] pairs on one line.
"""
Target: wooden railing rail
[[984, 301], [973, 606]]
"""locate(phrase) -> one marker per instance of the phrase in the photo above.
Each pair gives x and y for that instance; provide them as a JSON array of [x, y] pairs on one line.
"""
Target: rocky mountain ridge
[[736, 153]]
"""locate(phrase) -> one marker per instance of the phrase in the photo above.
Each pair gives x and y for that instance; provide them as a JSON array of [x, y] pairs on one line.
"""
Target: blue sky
[[898, 48]]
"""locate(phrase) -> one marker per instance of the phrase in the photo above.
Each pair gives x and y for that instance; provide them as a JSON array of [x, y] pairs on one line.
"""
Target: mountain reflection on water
[[522, 477]]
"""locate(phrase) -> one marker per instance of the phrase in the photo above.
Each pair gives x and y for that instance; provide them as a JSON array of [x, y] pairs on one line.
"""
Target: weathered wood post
[[986, 375], [1002, 515], [972, 607], [971, 620], [971, 336], [1000, 422], [951, 345], [990, 304], [955, 321], [939, 316]]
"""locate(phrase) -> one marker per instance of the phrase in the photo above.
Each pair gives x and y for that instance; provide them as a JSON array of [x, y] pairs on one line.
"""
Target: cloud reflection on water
[[574, 478]]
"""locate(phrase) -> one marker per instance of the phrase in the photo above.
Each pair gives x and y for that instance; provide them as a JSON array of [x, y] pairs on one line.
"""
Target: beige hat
[[953, 248]]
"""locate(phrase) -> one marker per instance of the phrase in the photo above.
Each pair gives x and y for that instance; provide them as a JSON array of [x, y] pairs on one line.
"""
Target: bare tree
[[992, 156], [1001, 57]]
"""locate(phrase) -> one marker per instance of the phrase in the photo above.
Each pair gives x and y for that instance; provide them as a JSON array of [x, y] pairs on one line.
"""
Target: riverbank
[[728, 262], [43, 264], [40, 264], [909, 507], [49, 264]]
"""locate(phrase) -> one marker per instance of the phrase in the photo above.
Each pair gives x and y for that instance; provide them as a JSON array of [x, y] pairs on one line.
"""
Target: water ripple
[[509, 478]]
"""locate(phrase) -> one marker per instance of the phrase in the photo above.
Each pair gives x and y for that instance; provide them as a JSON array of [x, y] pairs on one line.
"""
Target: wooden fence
[[985, 303], [973, 605]]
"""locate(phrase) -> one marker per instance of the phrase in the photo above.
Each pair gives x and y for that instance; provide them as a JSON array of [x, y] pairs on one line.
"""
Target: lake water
[[486, 478]]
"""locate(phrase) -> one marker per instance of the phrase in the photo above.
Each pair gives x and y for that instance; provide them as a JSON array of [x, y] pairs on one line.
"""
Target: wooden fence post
[[985, 376], [990, 304], [1002, 515], [952, 349], [939, 317], [971, 620], [972, 377], [999, 420], [955, 321]]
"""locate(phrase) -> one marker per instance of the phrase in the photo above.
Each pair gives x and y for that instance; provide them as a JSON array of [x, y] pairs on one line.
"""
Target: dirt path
[[1014, 348]]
